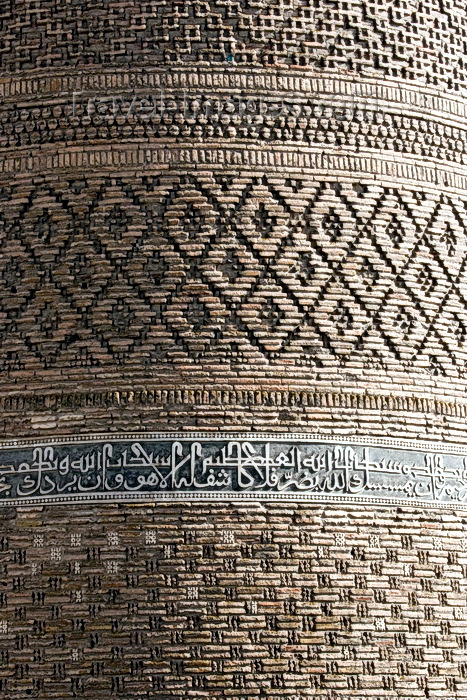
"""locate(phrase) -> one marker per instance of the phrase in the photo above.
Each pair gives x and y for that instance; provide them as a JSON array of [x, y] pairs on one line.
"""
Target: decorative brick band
[[356, 123], [246, 466], [233, 107], [417, 99], [230, 397], [453, 177]]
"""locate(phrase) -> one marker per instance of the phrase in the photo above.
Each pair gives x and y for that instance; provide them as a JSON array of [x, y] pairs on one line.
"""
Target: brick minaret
[[233, 327]]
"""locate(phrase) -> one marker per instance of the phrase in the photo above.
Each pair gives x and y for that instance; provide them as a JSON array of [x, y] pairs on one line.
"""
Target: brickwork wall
[[233, 215], [260, 196], [400, 38], [262, 283], [217, 601], [259, 601]]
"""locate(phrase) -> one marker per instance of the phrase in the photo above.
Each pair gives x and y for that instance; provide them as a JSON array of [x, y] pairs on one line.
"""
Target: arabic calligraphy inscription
[[155, 468]]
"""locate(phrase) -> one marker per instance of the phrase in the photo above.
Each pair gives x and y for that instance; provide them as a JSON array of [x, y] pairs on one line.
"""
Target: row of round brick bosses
[[360, 128]]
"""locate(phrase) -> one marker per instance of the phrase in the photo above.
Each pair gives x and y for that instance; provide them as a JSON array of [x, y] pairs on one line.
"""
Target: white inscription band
[[194, 466]]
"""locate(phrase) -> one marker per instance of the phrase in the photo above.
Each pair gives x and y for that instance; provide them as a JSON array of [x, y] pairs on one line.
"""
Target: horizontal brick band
[[418, 99], [238, 466], [389, 168], [358, 122], [231, 398]]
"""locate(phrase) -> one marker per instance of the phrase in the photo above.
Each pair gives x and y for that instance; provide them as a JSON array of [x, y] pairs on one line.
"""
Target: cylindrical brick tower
[[233, 328]]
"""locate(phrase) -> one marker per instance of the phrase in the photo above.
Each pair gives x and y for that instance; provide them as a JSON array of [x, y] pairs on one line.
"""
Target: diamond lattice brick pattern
[[162, 269]]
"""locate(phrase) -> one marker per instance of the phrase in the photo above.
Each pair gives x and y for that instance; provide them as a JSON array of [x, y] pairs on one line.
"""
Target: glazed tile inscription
[[231, 467]]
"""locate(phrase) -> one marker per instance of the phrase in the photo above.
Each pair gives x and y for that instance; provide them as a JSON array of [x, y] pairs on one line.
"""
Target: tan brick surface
[[283, 249]]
